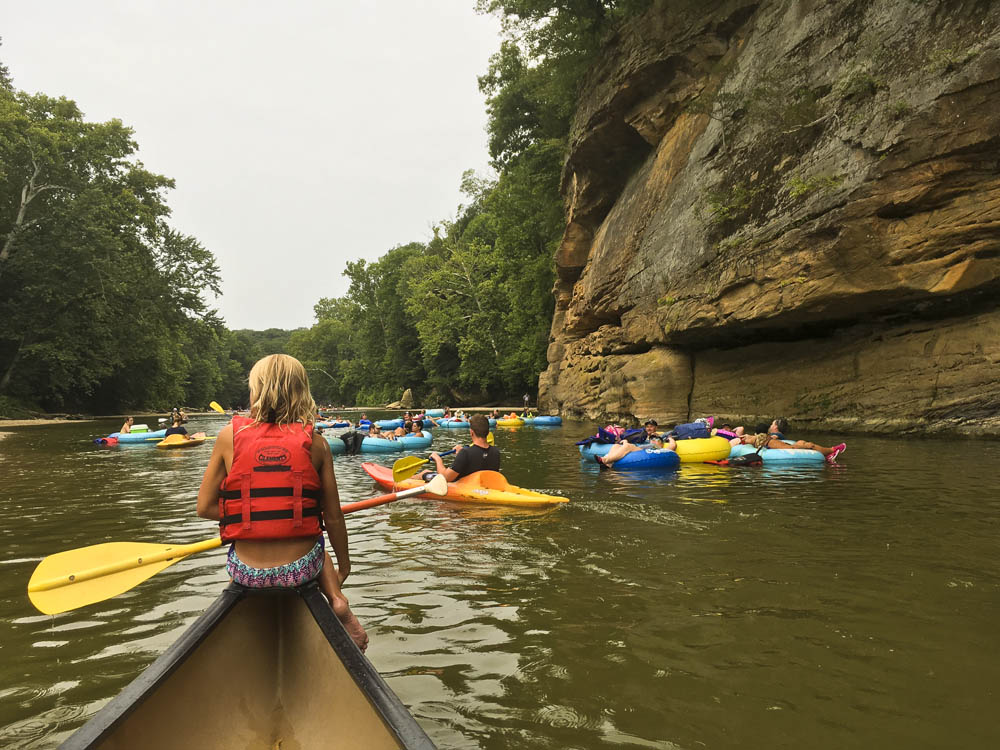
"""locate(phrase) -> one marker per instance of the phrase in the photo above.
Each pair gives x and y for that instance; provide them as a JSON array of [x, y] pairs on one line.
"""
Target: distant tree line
[[102, 304]]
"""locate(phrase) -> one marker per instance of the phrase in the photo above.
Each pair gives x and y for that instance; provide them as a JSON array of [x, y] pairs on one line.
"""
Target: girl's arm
[[333, 517], [215, 472]]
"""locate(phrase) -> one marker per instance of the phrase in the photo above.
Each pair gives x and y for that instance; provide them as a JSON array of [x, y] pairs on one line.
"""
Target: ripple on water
[[564, 716]]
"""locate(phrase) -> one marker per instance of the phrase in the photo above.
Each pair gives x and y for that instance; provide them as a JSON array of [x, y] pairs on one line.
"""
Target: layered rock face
[[786, 207]]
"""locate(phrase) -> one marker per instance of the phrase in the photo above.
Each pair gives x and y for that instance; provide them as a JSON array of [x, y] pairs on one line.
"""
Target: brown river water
[[819, 607]]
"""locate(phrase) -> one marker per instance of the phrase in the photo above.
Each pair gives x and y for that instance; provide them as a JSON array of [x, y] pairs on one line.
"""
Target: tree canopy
[[102, 304]]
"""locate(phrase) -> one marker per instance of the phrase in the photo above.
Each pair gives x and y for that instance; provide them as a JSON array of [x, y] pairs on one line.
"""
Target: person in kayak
[[176, 427], [480, 456], [291, 467]]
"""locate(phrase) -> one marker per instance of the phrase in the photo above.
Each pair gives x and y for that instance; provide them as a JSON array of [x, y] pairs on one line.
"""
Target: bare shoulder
[[320, 449], [224, 440]]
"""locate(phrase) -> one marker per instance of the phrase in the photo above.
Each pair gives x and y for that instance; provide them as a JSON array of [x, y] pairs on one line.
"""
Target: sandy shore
[[43, 420]]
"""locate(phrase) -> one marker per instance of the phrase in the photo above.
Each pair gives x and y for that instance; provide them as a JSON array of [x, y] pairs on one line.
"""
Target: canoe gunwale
[[397, 719]]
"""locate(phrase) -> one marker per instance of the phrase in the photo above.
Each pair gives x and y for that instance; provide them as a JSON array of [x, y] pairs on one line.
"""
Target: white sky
[[302, 134]]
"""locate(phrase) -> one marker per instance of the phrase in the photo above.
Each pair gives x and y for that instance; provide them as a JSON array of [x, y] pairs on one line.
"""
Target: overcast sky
[[302, 134]]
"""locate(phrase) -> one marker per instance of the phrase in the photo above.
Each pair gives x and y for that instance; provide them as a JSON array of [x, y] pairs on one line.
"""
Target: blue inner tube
[[340, 424], [544, 420], [416, 442], [778, 455], [648, 459], [455, 424], [337, 446], [595, 449], [389, 424], [434, 413], [380, 445]]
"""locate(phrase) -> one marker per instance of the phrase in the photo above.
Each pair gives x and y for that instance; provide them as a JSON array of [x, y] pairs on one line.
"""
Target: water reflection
[[708, 606]]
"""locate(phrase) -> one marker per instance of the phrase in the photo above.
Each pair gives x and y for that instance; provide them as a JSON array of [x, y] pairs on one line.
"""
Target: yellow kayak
[[182, 441], [486, 487], [703, 449]]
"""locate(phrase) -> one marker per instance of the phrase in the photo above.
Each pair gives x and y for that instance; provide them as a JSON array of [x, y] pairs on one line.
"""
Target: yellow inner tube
[[703, 449]]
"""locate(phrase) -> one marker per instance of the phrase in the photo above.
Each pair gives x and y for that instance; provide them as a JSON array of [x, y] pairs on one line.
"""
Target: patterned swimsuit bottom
[[288, 575]]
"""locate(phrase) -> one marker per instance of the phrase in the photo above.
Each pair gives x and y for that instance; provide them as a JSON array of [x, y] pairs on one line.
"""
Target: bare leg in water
[[329, 583]]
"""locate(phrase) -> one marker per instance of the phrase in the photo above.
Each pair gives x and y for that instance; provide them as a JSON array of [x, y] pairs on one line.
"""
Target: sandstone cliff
[[786, 207]]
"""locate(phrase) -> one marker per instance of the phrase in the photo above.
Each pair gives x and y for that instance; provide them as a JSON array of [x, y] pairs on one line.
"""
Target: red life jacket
[[273, 490]]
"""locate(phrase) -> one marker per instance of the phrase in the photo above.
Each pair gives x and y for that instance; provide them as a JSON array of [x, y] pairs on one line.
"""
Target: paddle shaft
[[185, 550]]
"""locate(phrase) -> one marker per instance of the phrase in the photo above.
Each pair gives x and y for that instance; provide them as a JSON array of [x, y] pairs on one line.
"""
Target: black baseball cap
[[650, 422]]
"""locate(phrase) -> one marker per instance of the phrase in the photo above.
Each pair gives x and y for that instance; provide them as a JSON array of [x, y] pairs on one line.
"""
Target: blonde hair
[[760, 440], [279, 391]]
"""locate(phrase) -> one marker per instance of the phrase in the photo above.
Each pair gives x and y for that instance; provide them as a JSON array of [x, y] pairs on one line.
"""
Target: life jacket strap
[[244, 492], [296, 499], [256, 492], [269, 515]]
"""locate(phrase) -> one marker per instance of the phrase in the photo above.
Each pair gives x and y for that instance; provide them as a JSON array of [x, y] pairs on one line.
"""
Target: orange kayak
[[483, 487]]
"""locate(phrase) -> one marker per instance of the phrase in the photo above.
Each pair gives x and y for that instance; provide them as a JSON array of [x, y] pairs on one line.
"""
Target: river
[[820, 607]]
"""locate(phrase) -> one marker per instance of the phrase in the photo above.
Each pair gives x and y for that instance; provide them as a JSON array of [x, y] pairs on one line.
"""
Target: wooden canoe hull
[[259, 669]]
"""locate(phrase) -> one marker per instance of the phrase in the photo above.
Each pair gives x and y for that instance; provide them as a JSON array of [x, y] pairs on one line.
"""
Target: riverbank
[[43, 420]]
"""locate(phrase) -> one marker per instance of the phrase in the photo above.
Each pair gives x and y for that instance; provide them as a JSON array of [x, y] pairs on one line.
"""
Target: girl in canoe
[[294, 491]]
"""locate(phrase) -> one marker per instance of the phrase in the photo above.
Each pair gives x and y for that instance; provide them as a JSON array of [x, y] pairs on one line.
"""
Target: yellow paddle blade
[[405, 468], [215, 405], [77, 577]]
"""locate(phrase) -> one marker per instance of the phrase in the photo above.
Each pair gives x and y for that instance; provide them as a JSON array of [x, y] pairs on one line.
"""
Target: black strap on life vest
[[270, 492], [268, 515]]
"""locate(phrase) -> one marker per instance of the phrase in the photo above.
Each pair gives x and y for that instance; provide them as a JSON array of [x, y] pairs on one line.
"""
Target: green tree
[[96, 292]]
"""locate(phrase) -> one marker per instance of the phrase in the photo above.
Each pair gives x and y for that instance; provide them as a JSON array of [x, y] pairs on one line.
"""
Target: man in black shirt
[[479, 456]]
